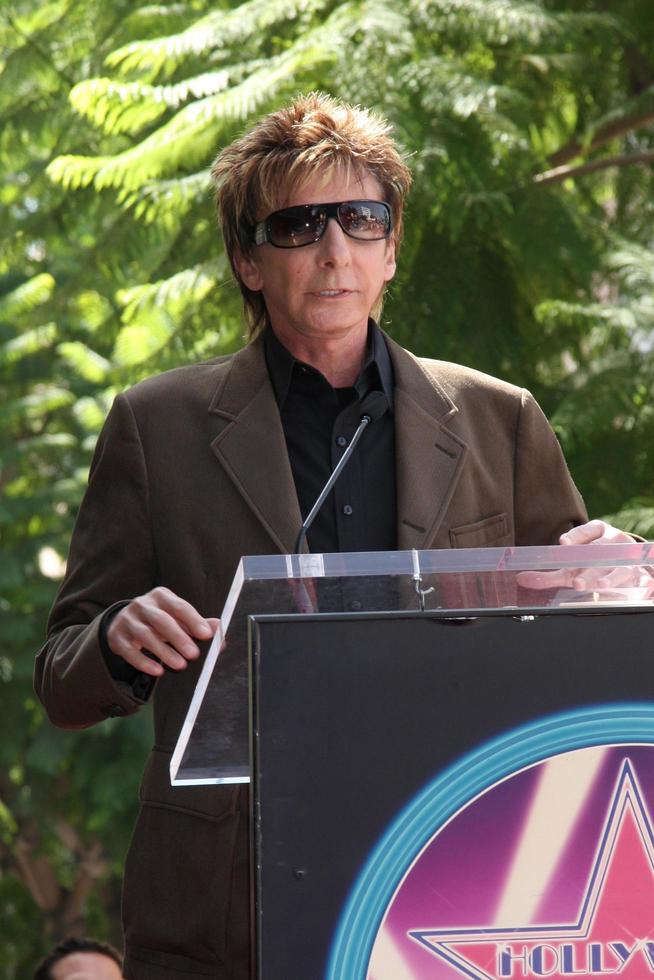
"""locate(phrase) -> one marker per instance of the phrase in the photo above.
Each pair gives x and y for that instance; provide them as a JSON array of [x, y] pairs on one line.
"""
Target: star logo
[[614, 931]]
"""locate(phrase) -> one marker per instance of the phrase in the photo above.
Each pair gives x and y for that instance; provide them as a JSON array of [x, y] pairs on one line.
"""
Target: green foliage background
[[528, 254]]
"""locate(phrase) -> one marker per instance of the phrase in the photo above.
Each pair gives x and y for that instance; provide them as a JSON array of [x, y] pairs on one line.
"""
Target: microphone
[[373, 407]]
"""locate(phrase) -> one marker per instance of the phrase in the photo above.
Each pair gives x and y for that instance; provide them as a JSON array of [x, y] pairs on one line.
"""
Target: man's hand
[[595, 532], [162, 624], [589, 579]]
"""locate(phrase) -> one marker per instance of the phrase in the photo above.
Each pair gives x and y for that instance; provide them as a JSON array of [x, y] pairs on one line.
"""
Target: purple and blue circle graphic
[[532, 856]]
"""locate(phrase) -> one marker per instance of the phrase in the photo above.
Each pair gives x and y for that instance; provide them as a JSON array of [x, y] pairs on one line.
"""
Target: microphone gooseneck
[[373, 407]]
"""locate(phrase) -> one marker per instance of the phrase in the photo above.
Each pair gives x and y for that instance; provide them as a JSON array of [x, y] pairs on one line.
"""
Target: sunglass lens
[[295, 226], [368, 220]]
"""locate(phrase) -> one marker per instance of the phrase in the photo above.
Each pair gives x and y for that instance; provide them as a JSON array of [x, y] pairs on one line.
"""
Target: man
[[80, 959], [210, 462]]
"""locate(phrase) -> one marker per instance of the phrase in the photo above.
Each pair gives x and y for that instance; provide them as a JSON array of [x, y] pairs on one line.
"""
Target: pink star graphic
[[614, 933]]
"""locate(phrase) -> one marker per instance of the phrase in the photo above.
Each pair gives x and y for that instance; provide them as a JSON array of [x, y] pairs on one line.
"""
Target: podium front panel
[[439, 797]]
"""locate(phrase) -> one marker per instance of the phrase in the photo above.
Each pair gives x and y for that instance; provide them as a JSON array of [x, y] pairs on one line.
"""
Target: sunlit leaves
[[188, 286], [129, 107], [87, 363], [27, 296], [41, 400], [217, 31], [497, 21], [140, 341], [28, 342], [91, 413], [166, 200], [190, 136]]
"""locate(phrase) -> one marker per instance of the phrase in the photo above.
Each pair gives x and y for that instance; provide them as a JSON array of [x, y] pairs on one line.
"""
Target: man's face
[[327, 289], [86, 966]]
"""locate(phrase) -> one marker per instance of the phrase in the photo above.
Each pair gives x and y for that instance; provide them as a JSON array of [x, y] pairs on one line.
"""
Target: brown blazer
[[190, 473]]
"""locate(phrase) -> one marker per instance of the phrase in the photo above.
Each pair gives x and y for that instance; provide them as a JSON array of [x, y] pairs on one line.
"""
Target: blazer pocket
[[211, 802], [489, 531]]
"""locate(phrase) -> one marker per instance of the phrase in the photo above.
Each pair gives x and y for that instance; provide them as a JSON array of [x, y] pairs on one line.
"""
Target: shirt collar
[[376, 371]]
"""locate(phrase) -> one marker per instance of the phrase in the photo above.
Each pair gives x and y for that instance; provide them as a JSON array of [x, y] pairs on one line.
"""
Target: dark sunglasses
[[367, 221]]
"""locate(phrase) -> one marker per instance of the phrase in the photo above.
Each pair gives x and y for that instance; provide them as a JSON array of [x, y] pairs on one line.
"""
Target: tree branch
[[610, 131], [92, 866], [64, 909], [37, 875], [558, 174]]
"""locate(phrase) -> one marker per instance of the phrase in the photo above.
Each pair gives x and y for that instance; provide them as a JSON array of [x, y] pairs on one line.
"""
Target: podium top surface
[[213, 746]]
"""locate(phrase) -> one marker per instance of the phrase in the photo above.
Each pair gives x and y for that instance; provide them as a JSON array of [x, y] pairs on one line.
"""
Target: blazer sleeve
[[547, 502], [111, 560]]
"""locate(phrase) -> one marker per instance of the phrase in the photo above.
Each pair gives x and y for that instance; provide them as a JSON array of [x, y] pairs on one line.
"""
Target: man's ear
[[389, 260], [248, 271]]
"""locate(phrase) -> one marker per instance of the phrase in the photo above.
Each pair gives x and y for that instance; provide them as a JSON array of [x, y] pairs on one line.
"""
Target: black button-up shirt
[[319, 422]]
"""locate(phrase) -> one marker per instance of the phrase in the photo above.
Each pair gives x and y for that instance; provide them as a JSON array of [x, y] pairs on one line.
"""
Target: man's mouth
[[333, 292]]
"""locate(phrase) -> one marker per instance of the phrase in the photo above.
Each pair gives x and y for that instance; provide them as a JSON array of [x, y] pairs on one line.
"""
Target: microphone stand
[[365, 420]]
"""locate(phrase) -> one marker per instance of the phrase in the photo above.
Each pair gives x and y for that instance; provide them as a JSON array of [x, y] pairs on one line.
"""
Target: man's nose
[[334, 244]]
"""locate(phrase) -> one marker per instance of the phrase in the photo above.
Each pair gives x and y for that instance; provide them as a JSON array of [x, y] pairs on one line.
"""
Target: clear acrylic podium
[[376, 701], [214, 744]]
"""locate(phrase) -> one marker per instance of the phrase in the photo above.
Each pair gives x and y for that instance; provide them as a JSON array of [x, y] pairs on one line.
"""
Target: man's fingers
[[557, 578], [141, 662], [585, 579], [180, 610], [620, 577], [595, 532], [168, 629], [130, 638], [130, 650], [584, 534], [162, 624]]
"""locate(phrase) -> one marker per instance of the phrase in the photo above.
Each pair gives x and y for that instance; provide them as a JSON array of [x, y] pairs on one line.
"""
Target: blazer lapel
[[251, 447], [429, 456]]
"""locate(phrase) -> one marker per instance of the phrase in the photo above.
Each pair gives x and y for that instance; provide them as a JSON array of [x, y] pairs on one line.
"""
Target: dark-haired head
[[76, 947]]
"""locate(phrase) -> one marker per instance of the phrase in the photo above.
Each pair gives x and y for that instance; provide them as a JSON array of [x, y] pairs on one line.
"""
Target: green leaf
[[139, 341], [86, 362], [30, 342], [27, 296]]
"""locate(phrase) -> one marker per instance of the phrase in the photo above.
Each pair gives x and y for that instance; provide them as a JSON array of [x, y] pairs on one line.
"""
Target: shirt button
[[347, 510], [341, 441]]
